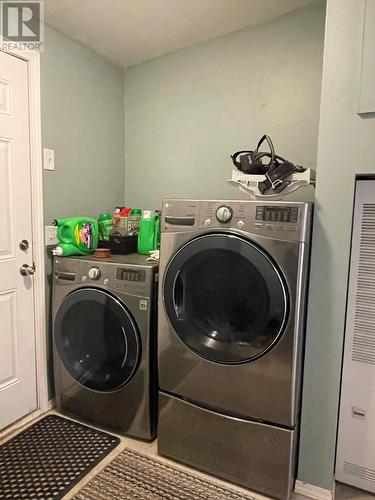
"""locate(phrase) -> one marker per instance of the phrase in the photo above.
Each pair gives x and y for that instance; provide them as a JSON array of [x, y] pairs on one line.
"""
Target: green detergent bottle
[[157, 231], [136, 212], [149, 233], [76, 235], [105, 224]]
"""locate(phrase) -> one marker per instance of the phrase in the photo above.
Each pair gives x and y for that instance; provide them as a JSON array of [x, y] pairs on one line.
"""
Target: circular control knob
[[94, 273], [224, 214]]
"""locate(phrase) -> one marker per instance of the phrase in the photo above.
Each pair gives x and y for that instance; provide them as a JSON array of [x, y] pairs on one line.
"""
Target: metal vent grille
[[360, 472], [363, 348]]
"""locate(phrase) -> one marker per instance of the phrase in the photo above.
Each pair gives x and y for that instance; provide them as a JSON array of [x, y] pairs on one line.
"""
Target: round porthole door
[[97, 339], [225, 298]]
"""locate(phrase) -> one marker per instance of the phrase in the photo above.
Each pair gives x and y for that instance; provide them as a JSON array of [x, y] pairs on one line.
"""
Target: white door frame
[[33, 64]]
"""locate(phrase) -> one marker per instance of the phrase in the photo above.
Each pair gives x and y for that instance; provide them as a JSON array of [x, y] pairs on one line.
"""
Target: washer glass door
[[97, 339], [225, 298]]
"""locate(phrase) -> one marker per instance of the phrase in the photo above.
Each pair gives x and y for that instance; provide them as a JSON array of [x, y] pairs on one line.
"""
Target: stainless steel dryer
[[231, 324], [104, 341]]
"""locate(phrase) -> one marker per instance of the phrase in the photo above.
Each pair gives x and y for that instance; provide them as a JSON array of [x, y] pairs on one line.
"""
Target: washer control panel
[[129, 274], [224, 213], [116, 274], [94, 273]]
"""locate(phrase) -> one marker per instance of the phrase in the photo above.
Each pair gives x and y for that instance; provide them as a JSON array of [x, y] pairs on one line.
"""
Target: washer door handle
[[178, 294], [126, 347]]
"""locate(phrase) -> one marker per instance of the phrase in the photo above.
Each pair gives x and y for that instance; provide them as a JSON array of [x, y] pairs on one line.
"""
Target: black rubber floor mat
[[47, 459]]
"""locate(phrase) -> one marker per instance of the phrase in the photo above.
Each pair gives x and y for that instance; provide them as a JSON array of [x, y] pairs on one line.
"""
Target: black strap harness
[[277, 170]]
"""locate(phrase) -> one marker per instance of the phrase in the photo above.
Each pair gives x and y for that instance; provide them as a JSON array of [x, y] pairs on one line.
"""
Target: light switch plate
[[48, 159], [50, 236]]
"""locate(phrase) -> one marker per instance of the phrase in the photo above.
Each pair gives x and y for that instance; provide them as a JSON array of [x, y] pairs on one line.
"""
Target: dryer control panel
[[274, 213], [278, 219]]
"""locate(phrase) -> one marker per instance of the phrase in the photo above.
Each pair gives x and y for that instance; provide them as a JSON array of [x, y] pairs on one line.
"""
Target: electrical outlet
[[50, 236], [48, 159]]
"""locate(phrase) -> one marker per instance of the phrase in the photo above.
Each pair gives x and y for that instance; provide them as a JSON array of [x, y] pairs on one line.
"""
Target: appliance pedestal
[[251, 454]]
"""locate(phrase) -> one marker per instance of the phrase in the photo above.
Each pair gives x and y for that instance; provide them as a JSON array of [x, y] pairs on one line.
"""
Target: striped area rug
[[132, 475]]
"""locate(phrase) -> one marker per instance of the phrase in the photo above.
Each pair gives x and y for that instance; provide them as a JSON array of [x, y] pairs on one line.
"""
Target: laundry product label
[[83, 234]]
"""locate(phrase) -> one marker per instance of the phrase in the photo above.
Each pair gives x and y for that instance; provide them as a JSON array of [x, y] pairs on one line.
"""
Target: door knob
[[27, 270], [24, 245]]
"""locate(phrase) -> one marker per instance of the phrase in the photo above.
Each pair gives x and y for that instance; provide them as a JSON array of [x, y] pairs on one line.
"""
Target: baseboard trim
[[311, 491], [16, 426], [9, 431], [51, 404]]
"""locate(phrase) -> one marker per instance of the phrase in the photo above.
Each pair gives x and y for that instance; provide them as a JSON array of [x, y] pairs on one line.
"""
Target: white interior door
[[18, 395]]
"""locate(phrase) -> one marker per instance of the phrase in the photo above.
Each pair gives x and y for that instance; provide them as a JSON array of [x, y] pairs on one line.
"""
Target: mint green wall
[[186, 112], [82, 98], [83, 121], [346, 147]]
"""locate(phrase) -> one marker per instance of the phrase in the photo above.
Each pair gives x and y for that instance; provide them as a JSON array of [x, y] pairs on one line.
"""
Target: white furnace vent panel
[[355, 462], [363, 348]]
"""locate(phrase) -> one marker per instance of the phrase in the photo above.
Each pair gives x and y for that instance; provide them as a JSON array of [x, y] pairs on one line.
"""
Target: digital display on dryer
[[126, 274], [277, 214]]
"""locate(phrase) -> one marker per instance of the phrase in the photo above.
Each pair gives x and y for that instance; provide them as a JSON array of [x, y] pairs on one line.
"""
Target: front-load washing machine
[[104, 342], [233, 279]]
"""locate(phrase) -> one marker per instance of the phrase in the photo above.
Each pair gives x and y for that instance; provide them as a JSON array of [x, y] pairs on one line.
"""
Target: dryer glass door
[[225, 298], [97, 339]]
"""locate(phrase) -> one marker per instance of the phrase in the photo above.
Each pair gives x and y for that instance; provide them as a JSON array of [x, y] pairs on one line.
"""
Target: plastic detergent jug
[[76, 235], [149, 233], [105, 224], [136, 212]]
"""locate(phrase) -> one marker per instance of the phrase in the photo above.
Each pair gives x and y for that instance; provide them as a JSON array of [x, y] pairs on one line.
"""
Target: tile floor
[[343, 492]]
